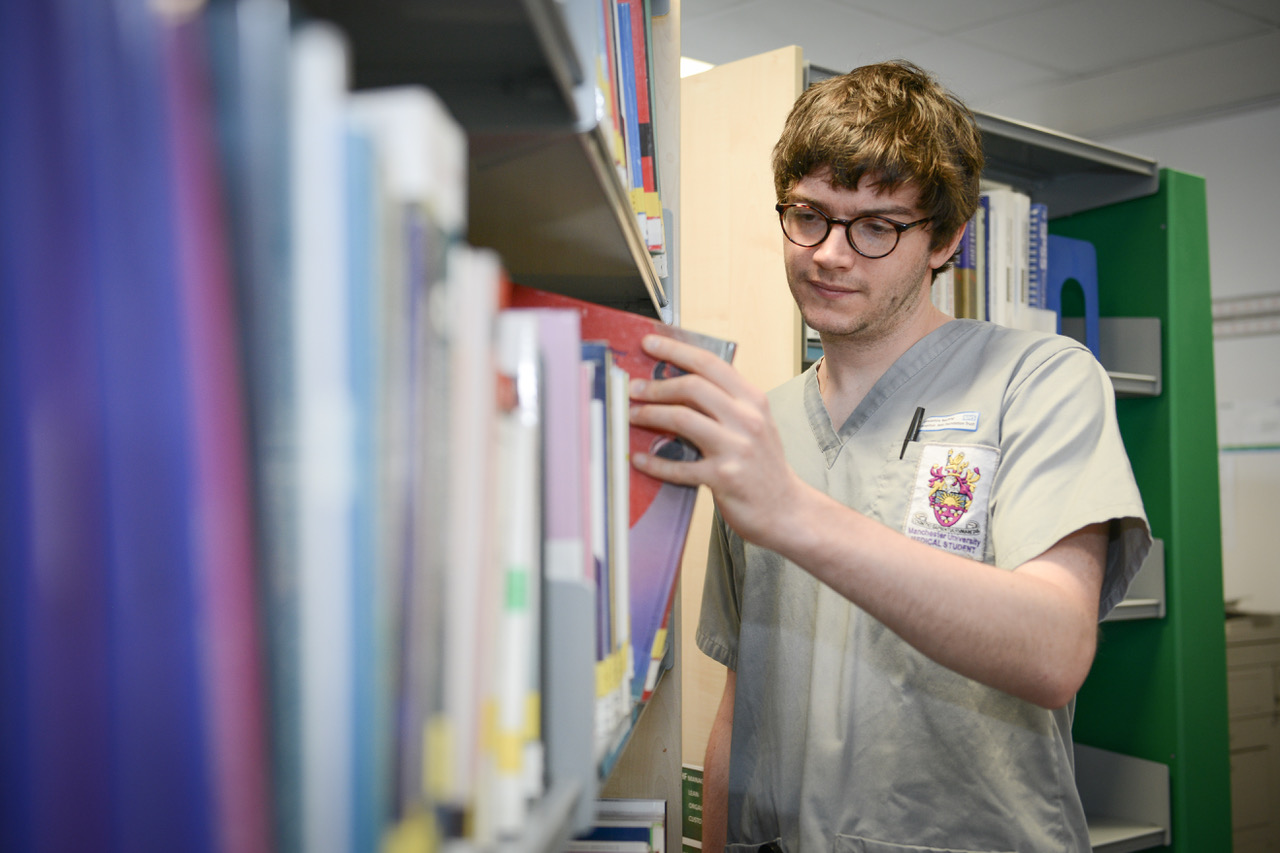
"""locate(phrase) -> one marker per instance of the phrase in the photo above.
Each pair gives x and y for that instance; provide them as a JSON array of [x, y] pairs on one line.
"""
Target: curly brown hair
[[894, 124]]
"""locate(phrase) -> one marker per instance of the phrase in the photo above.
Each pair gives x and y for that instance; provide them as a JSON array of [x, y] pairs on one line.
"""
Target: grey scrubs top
[[845, 738]]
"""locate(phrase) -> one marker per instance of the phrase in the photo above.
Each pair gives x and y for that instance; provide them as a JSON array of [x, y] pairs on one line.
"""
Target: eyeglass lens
[[869, 235]]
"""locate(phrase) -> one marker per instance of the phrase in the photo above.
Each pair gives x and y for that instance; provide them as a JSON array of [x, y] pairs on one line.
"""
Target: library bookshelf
[[542, 190], [132, 685]]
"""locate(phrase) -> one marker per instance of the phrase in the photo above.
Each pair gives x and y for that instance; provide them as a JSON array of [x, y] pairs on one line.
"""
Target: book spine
[[519, 528], [1038, 256], [631, 114], [966, 284], [620, 535], [223, 553], [324, 418]]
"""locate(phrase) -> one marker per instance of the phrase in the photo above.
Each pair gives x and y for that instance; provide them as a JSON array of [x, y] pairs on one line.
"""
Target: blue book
[[985, 262], [224, 571], [618, 833], [368, 792], [164, 791], [249, 51], [55, 720], [630, 106]]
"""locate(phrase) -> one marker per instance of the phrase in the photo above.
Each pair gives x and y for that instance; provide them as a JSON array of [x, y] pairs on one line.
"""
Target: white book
[[1007, 223], [597, 440], [1021, 238], [620, 534], [472, 288], [422, 153], [425, 149], [942, 292], [325, 485], [519, 528]]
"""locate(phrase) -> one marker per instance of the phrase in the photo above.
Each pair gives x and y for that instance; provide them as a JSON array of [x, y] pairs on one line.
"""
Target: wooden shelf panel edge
[[620, 739]]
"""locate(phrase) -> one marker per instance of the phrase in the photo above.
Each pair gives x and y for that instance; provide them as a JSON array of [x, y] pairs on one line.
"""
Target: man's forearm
[[1029, 632]]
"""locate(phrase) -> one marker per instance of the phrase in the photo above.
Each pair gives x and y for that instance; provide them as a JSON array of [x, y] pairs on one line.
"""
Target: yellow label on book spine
[[416, 833], [437, 753], [508, 751], [659, 647], [609, 673], [533, 716], [488, 725], [652, 205], [602, 678]]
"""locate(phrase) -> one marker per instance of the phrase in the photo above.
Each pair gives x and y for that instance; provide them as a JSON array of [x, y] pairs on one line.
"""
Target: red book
[[660, 511]]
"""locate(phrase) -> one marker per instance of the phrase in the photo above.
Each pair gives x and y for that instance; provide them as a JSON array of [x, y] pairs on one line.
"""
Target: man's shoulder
[[790, 390], [1024, 347]]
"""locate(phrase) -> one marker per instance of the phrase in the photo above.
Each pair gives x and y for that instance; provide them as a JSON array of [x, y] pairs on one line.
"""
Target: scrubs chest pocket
[[773, 846], [856, 844], [947, 496]]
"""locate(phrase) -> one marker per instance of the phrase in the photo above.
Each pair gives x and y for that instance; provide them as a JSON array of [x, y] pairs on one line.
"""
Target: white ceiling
[[1092, 68]]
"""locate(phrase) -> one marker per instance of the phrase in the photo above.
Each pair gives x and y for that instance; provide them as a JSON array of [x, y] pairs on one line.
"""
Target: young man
[[905, 622]]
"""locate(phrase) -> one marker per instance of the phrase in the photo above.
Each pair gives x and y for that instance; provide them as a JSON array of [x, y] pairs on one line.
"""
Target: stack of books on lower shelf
[[624, 826]]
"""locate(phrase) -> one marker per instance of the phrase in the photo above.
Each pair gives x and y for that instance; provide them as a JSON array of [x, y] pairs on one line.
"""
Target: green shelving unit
[[1158, 686]]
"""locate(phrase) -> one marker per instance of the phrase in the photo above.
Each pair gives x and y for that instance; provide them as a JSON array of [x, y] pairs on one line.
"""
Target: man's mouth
[[831, 289]]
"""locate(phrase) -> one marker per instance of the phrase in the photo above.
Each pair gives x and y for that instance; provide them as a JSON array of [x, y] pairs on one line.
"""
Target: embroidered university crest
[[950, 498], [951, 488]]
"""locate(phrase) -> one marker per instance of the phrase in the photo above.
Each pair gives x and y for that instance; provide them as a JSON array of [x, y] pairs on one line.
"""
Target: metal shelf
[[1126, 800], [1146, 595], [543, 190], [1112, 835], [1064, 172], [1130, 349]]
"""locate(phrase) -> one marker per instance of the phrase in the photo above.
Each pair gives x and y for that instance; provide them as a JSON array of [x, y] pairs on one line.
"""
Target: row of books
[[1001, 271], [624, 79], [624, 826], [636, 551], [290, 467]]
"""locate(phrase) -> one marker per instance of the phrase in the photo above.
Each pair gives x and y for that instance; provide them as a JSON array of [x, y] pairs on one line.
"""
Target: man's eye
[[876, 227], [805, 217]]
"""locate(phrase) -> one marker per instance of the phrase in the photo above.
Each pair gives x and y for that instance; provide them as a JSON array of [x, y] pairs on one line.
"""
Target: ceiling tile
[[1092, 36], [1084, 66], [832, 35], [973, 75], [1264, 10], [696, 10], [1180, 88], [950, 17]]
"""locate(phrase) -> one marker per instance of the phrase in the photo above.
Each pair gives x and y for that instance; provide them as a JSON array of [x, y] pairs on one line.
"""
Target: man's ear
[[939, 256]]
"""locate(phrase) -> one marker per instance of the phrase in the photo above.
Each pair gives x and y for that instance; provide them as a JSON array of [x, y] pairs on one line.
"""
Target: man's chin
[[828, 327]]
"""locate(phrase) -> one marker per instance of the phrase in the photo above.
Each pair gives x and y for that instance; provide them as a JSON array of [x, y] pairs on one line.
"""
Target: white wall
[[1239, 157]]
